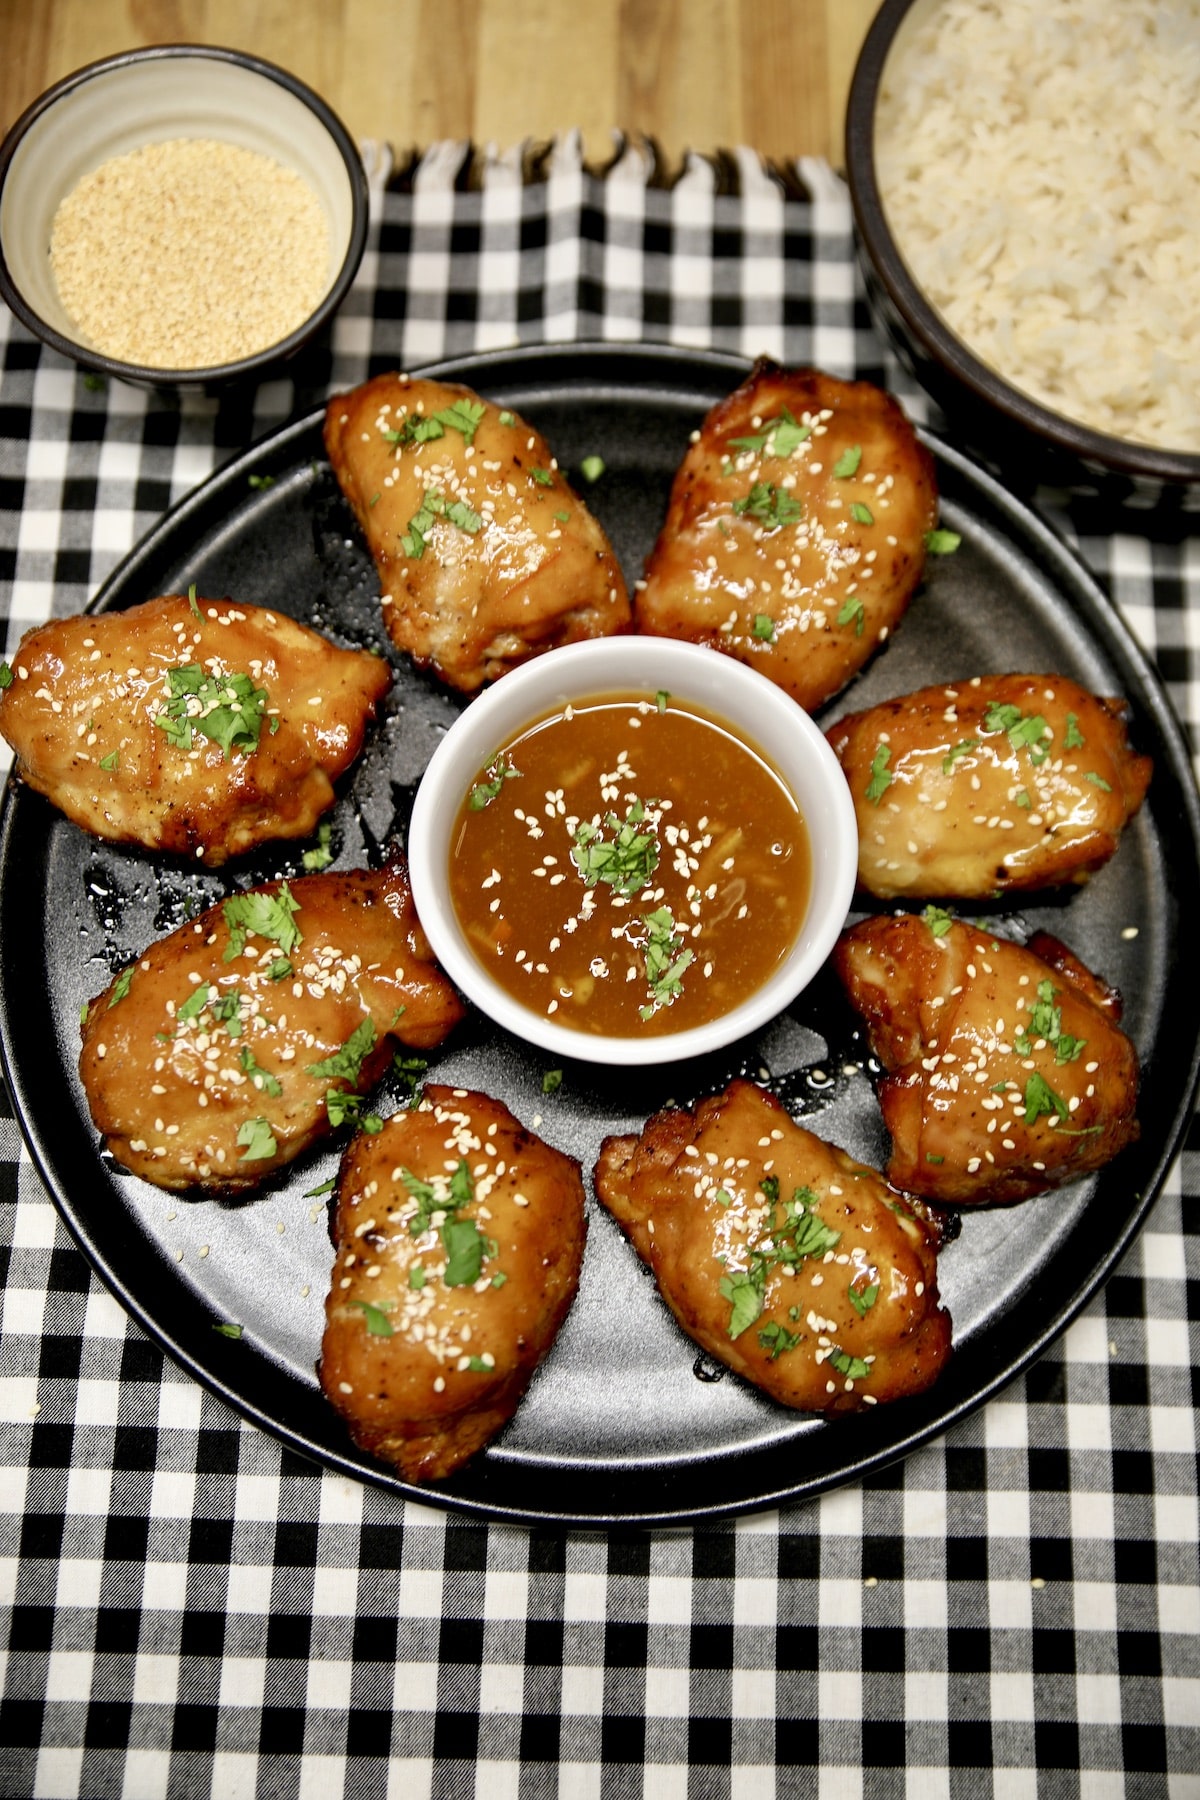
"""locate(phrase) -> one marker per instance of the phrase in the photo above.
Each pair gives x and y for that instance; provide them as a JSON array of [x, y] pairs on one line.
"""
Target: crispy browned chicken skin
[[1007, 1072], [110, 716], [459, 1240], [234, 1043], [485, 555], [974, 788], [796, 530], [784, 1257]]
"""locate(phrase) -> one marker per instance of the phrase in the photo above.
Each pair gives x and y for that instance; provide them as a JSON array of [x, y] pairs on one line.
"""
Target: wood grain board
[[690, 74]]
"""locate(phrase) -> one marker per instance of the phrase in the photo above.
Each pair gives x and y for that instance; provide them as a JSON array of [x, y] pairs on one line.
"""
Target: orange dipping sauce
[[630, 865]]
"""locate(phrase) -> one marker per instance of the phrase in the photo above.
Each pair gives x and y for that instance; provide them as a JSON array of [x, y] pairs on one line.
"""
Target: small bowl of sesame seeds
[[179, 216], [632, 851]]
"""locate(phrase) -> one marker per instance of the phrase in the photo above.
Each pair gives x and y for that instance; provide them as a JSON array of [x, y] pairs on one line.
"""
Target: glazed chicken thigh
[[1007, 1072], [459, 1239], [484, 554], [233, 1044], [197, 727], [782, 1256], [975, 788], [796, 531]]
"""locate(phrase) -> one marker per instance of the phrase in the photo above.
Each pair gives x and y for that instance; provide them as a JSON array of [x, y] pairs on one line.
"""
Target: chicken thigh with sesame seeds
[[197, 727], [1007, 1072], [781, 1255], [459, 1240], [484, 554], [796, 531], [977, 788], [231, 1045]]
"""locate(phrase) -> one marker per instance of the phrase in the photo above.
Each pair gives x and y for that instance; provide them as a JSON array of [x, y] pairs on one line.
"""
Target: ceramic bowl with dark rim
[[994, 417], [149, 97]]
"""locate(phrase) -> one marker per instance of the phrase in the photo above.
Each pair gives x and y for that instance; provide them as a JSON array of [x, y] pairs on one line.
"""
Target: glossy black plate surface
[[623, 1423]]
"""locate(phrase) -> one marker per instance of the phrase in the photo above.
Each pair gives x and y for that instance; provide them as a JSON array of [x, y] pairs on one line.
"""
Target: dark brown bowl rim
[[927, 326], [243, 367]]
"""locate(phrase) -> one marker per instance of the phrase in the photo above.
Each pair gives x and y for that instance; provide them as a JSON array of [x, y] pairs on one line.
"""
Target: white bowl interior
[[756, 709], [121, 108]]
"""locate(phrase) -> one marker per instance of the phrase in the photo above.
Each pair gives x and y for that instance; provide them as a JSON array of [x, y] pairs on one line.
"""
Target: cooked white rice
[[1039, 162]]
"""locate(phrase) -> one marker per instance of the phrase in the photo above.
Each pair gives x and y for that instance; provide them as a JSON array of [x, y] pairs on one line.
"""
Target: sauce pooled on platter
[[628, 864]]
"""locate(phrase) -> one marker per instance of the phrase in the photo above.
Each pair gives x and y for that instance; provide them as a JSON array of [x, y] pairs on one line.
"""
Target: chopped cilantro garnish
[[6, 675], [435, 506], [764, 628], [322, 855], [592, 468], [258, 1138], [863, 1299], [1026, 731], [847, 463], [962, 748], [744, 1295], [121, 985], [1040, 1098], [862, 515], [665, 960], [792, 1233], [227, 708], [262, 915], [463, 416], [378, 1323], [262, 1079], [773, 506], [661, 699], [552, 1080], [416, 1278], [343, 1108], [1045, 1025], [938, 920], [852, 1367], [880, 780], [194, 1005], [111, 763], [507, 418], [260, 481], [852, 612], [464, 1246], [1097, 781], [776, 1339], [543, 477], [229, 1331], [1074, 738], [326, 1187], [1024, 801], [484, 792], [627, 862], [408, 1071], [942, 543], [778, 437], [191, 600], [346, 1064]]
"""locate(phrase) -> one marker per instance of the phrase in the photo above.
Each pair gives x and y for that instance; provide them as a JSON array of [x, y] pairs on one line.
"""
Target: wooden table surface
[[691, 74]]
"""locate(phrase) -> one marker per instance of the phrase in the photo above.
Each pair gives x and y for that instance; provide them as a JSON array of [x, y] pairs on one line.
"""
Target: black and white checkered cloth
[[193, 1610]]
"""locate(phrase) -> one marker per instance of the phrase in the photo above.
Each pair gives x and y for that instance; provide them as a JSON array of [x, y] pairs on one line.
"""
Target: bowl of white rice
[[179, 216], [1025, 176]]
